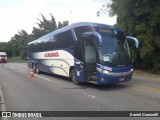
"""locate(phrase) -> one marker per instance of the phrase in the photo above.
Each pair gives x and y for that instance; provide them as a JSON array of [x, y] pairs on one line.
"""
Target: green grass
[[15, 59]]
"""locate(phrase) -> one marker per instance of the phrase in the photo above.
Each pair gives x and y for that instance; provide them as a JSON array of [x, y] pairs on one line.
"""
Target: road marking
[[43, 78], [12, 68]]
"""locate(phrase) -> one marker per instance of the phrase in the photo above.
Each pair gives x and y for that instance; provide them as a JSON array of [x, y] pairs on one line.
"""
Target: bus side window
[[51, 43], [65, 39], [40, 46], [79, 30], [78, 51]]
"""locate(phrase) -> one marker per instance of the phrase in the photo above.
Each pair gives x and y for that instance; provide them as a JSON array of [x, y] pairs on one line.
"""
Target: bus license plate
[[121, 79]]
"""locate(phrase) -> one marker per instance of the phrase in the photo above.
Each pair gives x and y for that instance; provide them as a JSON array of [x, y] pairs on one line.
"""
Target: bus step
[[92, 78], [93, 82]]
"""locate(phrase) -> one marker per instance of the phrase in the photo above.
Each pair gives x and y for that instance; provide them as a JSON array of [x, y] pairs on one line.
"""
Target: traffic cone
[[31, 73]]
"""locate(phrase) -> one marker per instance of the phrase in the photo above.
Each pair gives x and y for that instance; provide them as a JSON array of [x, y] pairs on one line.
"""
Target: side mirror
[[94, 34], [135, 40]]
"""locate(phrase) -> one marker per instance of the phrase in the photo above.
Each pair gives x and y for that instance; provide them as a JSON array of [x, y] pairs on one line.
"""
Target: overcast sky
[[22, 14]]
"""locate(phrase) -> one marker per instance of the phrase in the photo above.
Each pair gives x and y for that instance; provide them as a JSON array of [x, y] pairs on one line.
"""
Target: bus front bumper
[[106, 77]]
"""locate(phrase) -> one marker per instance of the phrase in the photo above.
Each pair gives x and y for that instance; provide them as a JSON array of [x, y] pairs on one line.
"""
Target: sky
[[22, 14]]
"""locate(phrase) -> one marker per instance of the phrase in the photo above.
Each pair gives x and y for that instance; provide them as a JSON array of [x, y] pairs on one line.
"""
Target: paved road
[[53, 93]]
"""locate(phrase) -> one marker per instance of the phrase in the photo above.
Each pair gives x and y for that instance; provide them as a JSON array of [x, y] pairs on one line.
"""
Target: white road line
[[12, 68], [43, 78]]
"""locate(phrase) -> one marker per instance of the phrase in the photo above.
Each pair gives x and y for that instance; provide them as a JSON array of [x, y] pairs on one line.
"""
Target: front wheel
[[73, 77]]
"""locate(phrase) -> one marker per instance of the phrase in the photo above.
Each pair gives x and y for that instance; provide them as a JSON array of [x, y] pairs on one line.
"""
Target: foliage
[[17, 46], [15, 59], [141, 19]]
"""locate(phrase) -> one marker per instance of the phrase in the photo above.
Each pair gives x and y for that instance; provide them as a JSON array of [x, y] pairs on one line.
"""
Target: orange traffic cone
[[31, 74]]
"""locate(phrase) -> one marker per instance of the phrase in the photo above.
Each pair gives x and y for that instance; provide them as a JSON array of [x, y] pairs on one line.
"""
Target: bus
[[85, 52], [3, 57]]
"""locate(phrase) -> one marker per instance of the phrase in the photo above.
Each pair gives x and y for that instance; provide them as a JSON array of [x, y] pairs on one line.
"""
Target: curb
[[2, 105]]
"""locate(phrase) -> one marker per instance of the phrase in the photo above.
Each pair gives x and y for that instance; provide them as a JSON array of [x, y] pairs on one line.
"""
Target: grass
[[15, 59]]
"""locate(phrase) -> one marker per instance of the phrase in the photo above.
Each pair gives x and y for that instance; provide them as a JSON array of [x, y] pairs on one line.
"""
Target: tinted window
[[79, 30], [62, 40], [39, 46], [65, 39], [51, 43], [78, 51], [33, 47]]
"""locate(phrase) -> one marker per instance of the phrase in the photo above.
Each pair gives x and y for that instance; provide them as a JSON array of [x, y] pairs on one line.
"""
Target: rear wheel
[[36, 69], [73, 77]]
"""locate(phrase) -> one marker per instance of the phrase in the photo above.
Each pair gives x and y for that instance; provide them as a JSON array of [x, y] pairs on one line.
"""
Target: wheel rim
[[34, 68], [37, 71], [73, 76]]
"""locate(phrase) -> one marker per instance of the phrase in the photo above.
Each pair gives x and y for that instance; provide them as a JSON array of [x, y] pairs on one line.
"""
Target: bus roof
[[78, 24]]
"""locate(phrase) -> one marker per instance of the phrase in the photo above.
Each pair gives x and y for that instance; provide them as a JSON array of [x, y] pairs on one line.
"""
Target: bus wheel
[[36, 69], [73, 77]]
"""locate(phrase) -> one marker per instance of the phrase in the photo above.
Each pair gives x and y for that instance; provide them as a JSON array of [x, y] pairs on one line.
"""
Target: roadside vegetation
[[16, 47], [141, 19], [138, 18], [16, 59]]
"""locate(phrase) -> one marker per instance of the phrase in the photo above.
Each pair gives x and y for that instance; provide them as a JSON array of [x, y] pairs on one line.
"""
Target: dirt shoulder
[[145, 74]]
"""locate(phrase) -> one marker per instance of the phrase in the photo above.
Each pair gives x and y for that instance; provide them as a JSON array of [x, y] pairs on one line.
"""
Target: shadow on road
[[118, 86], [111, 87]]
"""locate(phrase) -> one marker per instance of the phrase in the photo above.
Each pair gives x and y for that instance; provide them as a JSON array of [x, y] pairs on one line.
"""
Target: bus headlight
[[99, 69], [107, 72], [115, 73], [104, 71]]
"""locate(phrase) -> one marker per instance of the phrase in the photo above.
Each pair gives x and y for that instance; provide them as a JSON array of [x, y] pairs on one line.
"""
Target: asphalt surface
[[47, 92]]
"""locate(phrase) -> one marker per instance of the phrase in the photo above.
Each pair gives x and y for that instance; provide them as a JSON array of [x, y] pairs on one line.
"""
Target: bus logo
[[53, 54]]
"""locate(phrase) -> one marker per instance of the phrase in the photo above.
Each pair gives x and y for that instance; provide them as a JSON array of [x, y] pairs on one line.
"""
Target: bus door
[[78, 62], [85, 52], [89, 58]]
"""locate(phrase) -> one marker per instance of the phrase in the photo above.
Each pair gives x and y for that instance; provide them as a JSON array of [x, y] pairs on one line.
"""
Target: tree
[[45, 26], [60, 25], [17, 46], [140, 18], [63, 24]]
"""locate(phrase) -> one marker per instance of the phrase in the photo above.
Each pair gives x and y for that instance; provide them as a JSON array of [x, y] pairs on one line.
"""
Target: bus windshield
[[114, 50]]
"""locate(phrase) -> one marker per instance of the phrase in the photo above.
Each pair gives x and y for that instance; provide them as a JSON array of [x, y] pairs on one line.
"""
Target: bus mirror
[[93, 34], [135, 40]]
